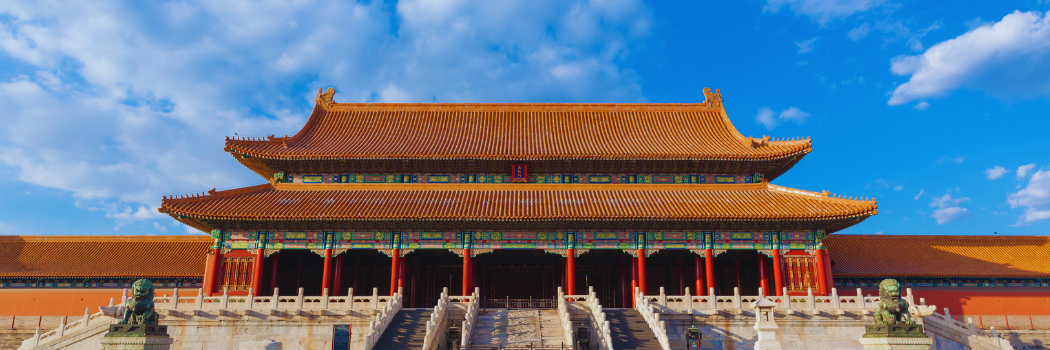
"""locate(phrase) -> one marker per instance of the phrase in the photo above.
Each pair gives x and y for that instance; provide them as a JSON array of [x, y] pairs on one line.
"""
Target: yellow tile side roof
[[939, 256], [103, 256]]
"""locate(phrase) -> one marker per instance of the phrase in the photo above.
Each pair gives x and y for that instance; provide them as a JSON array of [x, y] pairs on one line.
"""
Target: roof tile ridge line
[[212, 194], [318, 112], [825, 195], [104, 238], [514, 187]]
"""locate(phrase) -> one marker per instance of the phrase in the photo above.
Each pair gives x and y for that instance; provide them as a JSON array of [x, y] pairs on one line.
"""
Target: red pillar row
[[641, 270], [337, 284], [822, 286], [211, 266], [762, 276], [699, 267], [257, 271], [570, 272], [466, 271], [634, 281], [326, 275], [709, 264], [394, 269], [778, 274]]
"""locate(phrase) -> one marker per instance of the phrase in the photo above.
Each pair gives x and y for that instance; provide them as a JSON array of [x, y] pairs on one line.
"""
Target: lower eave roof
[[888, 256], [516, 202], [103, 256]]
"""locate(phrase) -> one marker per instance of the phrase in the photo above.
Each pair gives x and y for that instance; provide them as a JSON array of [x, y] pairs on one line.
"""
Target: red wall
[[52, 302], [982, 301]]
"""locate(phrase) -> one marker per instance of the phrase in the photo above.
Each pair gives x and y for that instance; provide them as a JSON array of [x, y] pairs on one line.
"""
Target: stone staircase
[[517, 328], [406, 330], [629, 330]]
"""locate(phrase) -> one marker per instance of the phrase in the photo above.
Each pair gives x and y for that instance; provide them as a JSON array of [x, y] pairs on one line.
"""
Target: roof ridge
[[212, 193]]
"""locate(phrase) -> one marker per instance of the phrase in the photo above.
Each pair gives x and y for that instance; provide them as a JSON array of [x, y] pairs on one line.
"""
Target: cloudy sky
[[940, 111]]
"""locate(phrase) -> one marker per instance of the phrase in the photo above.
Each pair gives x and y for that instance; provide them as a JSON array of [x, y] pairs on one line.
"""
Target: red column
[[681, 277], [326, 276], [698, 266], [828, 280], [211, 266], [394, 268], [778, 274], [337, 285], [822, 286], [641, 270], [570, 272], [762, 274], [709, 266], [273, 273], [634, 281], [736, 271], [401, 274], [257, 271], [466, 272]]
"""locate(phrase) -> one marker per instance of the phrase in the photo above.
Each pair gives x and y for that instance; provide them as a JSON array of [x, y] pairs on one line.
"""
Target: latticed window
[[237, 273], [800, 273]]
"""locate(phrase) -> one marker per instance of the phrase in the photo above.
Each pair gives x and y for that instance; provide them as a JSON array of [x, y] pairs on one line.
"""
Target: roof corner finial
[[324, 99], [713, 100]]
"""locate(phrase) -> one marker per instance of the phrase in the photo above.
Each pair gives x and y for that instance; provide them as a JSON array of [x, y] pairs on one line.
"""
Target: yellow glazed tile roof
[[103, 256], [939, 256]]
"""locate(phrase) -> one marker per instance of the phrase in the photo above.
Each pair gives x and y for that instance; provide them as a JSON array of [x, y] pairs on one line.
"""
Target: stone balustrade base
[[895, 343], [137, 343]]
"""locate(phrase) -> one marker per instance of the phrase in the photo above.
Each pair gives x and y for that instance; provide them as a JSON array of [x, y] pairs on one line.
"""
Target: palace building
[[518, 199]]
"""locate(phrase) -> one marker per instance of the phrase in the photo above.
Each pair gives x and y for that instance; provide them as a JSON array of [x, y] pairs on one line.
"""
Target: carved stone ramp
[[406, 330], [517, 328], [629, 330]]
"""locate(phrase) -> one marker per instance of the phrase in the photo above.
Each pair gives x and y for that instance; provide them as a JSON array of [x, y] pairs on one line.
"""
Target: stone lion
[[138, 309], [892, 309]]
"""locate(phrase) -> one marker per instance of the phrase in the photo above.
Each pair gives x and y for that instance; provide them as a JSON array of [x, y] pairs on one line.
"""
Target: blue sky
[[937, 109]]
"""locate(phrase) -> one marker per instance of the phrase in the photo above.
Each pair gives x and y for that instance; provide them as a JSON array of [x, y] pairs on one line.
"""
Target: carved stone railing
[[271, 302], [563, 314], [989, 338], [382, 320], [470, 318], [437, 321], [596, 316], [789, 304], [652, 317], [88, 321]]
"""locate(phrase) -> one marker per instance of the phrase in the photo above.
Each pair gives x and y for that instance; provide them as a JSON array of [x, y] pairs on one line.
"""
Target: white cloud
[[922, 106], [806, 45], [1022, 171], [898, 188], [919, 195], [770, 119], [823, 11], [1006, 58], [766, 117], [946, 159], [995, 172], [130, 101], [858, 33], [1035, 197], [948, 209]]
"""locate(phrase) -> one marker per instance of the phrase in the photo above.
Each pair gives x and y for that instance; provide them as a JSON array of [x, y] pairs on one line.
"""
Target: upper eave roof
[[515, 203], [103, 256], [887, 256], [519, 131]]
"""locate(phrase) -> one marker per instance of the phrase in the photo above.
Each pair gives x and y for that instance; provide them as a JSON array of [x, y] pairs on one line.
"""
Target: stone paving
[[517, 328]]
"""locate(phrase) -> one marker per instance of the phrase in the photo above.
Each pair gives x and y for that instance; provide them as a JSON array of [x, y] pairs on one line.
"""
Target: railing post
[[736, 298], [835, 302], [124, 296], [225, 298], [200, 299], [62, 327], [663, 297], [276, 299], [324, 299], [300, 301], [714, 298], [860, 299], [175, 299], [87, 317], [350, 298], [375, 298], [810, 300], [36, 336]]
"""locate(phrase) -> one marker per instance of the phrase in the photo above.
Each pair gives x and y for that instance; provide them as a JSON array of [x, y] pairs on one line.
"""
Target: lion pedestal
[[136, 337], [137, 328], [894, 329]]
